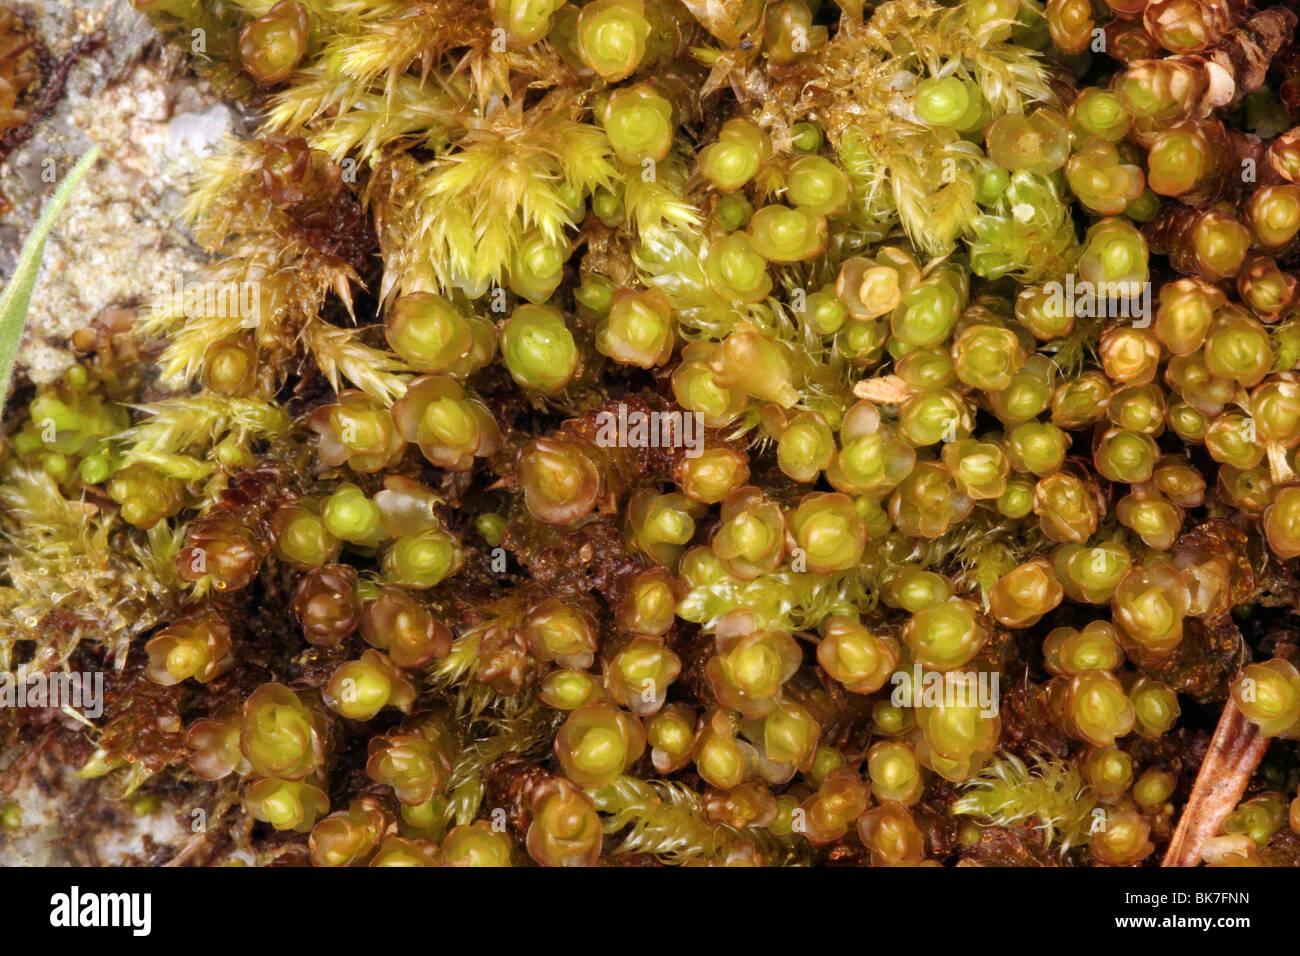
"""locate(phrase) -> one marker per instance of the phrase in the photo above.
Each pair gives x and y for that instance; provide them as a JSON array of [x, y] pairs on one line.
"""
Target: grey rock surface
[[117, 242]]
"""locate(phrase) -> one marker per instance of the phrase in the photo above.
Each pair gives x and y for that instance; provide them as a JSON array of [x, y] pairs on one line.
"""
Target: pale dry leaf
[[883, 390]]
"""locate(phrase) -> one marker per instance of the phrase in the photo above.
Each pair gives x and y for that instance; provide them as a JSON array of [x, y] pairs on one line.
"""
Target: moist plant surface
[[643, 432]]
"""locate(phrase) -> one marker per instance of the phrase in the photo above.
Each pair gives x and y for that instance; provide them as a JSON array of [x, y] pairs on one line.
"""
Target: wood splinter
[[1235, 752]]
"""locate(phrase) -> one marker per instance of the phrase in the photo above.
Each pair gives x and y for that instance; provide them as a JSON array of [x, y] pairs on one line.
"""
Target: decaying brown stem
[[1235, 751]]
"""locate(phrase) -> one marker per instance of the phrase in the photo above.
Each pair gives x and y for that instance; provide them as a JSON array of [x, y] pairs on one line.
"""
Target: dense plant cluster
[[988, 314]]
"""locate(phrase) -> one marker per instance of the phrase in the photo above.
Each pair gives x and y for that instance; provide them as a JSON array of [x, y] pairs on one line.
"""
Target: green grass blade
[[17, 296]]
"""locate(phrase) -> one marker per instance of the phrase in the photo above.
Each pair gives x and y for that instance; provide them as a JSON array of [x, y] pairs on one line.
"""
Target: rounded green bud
[[95, 468], [612, 37], [476, 845], [1153, 519], [1096, 708], [597, 742], [358, 690], [572, 199], [350, 516], [895, 772], [596, 294], [639, 123], [538, 266], [1152, 790], [560, 480], [671, 736], [58, 468], [929, 311], [491, 527], [826, 760], [1124, 841], [77, 377], [1114, 258], [1233, 439], [272, 46], [712, 475], [980, 469], [957, 738], [1037, 447], [1038, 142], [830, 531], [789, 34], [817, 185], [784, 235], [565, 689], [650, 604], [539, 350], [861, 342], [638, 676], [1273, 214], [301, 536], [733, 211], [450, 422], [401, 852], [1099, 112], [1070, 651], [945, 636], [1126, 456], [991, 181], [1110, 771], [1258, 818], [1028, 394], [525, 21], [1238, 348], [1268, 694], [890, 720], [560, 634], [278, 735], [286, 804], [859, 659], [1156, 706], [421, 560], [428, 331], [145, 495], [11, 815], [913, 589], [924, 368], [790, 735], [662, 525], [1091, 574], [736, 270], [1017, 500], [805, 447], [949, 101], [931, 417], [1081, 401], [1145, 208], [824, 312], [230, 365], [987, 357], [639, 330], [807, 137], [734, 159], [608, 206]]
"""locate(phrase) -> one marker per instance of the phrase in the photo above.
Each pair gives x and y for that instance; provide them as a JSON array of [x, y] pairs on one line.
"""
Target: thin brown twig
[[198, 842], [1235, 751], [54, 89], [188, 851]]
